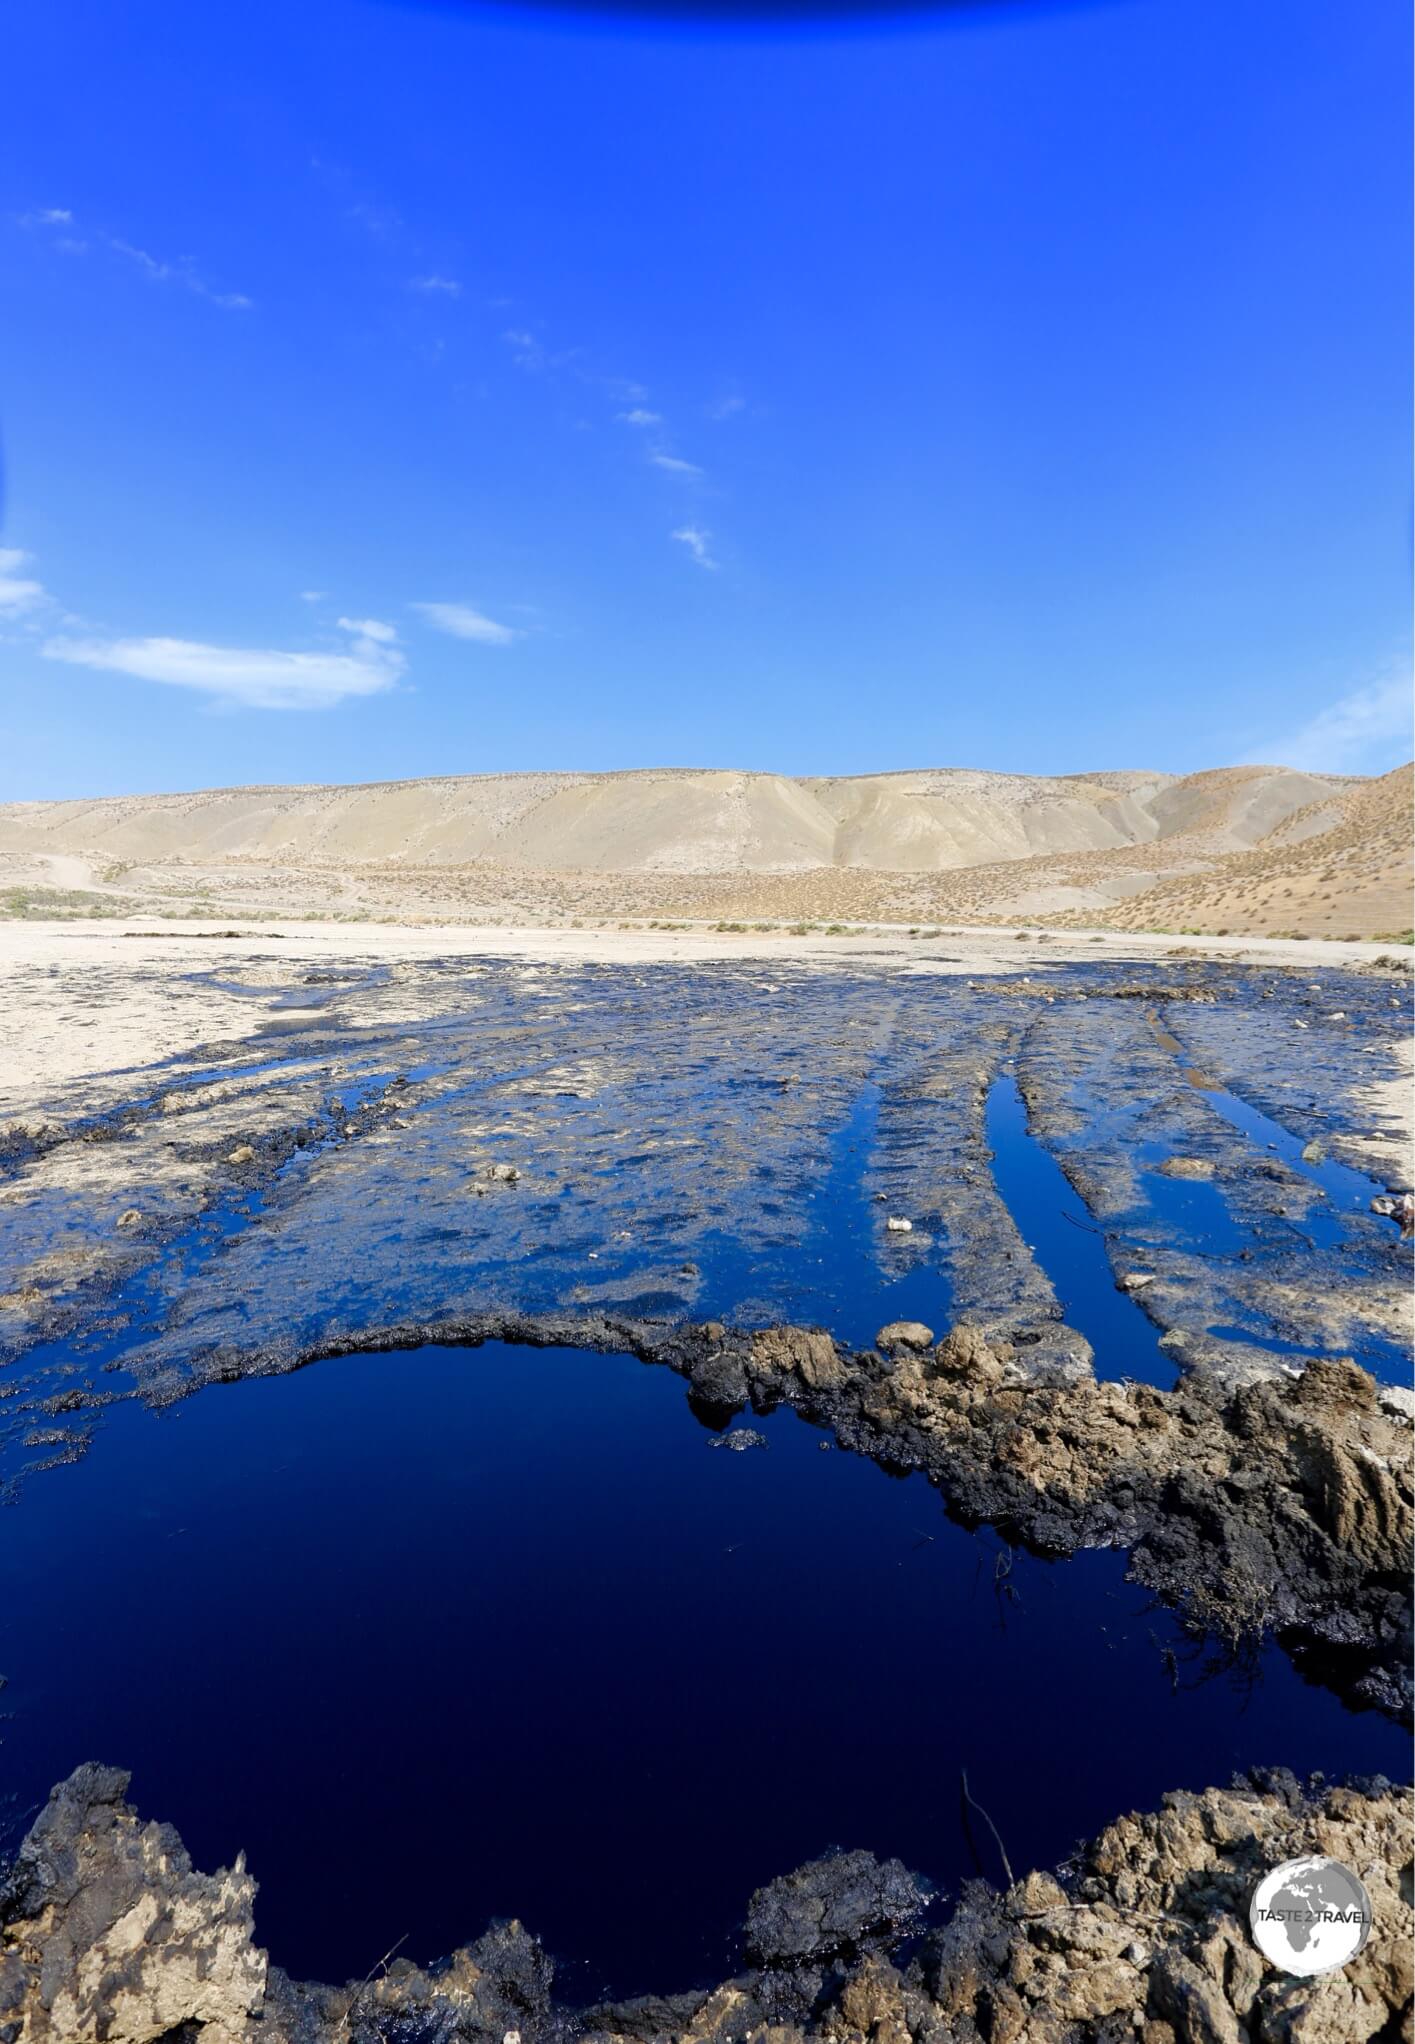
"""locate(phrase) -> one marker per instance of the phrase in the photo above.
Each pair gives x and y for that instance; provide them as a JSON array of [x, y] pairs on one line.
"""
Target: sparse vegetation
[[38, 904]]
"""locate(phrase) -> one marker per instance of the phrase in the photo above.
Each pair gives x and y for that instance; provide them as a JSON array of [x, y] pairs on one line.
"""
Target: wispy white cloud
[[673, 464], [463, 622], [254, 678], [382, 223], [180, 273], [313, 595], [434, 286], [369, 628], [19, 593], [727, 407], [183, 273], [639, 417], [698, 544], [526, 351], [1365, 731]]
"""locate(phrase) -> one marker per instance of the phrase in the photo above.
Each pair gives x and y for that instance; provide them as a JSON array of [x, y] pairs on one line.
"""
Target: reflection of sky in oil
[[442, 1635]]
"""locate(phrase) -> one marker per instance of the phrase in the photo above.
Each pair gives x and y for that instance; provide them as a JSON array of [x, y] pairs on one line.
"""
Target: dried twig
[[972, 1803], [352, 2009]]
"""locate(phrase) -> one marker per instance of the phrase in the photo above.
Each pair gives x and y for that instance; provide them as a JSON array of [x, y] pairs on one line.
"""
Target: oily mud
[[712, 1141], [613, 1157], [992, 1231]]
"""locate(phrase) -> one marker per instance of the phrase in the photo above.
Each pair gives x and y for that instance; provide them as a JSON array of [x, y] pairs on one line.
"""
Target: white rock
[[1399, 1400], [898, 1226]]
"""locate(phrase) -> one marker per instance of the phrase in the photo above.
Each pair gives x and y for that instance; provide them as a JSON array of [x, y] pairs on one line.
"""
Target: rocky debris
[[244, 1153], [131, 1217], [107, 1934], [903, 1334], [1134, 1280], [495, 1990], [719, 1375], [108, 1937], [897, 1225], [740, 1439], [1186, 1167], [1398, 1207], [500, 1174], [807, 1353], [838, 1904]]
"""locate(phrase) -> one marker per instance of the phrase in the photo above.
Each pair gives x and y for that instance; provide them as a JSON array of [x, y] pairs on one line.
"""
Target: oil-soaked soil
[[1142, 1199], [724, 1142]]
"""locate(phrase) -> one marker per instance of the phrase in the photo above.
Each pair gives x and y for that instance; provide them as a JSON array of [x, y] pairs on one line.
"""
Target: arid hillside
[[1255, 849]]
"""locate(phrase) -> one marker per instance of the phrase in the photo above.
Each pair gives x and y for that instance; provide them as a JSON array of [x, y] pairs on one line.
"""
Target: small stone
[[501, 1174], [1398, 1207], [1135, 1280], [897, 1225], [903, 1334], [739, 1440], [242, 1154], [1314, 1152], [1186, 1167], [129, 1218], [1397, 1399], [1034, 1894]]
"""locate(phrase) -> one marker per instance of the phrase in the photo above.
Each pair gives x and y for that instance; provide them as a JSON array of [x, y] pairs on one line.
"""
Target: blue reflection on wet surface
[[443, 1635]]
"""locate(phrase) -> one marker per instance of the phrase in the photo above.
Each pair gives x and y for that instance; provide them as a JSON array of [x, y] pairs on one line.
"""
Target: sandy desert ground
[[1253, 851], [154, 1005]]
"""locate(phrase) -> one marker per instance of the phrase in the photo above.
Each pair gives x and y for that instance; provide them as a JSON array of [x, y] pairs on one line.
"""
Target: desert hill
[[1240, 847]]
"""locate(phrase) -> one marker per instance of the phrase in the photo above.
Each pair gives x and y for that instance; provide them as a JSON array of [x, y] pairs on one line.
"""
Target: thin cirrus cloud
[[462, 621], [183, 273], [1366, 731], [674, 464], [639, 416], [369, 628], [19, 593], [698, 544], [241, 677], [435, 286]]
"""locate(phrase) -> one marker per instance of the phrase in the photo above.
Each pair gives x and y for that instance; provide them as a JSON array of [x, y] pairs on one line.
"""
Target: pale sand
[[79, 1000]]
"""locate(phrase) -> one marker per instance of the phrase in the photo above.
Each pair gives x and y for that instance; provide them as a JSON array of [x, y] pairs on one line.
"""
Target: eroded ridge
[[108, 1935]]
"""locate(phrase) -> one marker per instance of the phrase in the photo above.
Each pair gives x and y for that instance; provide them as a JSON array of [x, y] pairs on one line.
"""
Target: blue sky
[[389, 390]]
